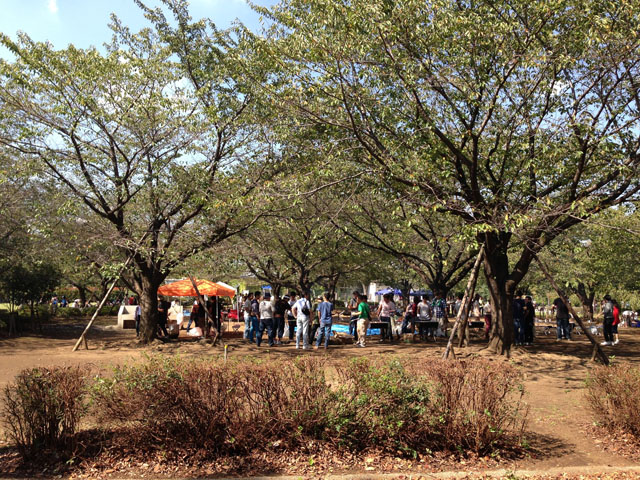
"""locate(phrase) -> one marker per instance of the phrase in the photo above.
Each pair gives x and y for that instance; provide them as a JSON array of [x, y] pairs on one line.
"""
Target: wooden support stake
[[597, 350], [466, 302], [83, 337]]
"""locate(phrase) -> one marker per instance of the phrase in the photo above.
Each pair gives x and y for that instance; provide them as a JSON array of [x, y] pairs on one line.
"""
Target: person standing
[[255, 315], [213, 309], [457, 305], [386, 308], [315, 322], [486, 311], [280, 308], [353, 308], [518, 318], [325, 312], [246, 312], [193, 316], [424, 315], [529, 320], [476, 306], [439, 312], [291, 318], [302, 312], [364, 315], [607, 325], [562, 320], [54, 304], [616, 322], [163, 314], [266, 320]]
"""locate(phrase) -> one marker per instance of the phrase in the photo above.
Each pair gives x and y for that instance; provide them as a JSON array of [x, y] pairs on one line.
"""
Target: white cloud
[[52, 5]]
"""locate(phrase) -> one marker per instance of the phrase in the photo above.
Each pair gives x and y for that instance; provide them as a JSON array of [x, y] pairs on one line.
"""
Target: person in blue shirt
[[325, 310]]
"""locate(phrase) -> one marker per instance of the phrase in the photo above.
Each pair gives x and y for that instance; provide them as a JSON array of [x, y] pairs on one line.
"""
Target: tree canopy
[[518, 117]]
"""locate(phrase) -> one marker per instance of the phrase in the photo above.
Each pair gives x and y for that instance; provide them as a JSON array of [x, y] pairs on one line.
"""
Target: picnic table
[[383, 326], [427, 325]]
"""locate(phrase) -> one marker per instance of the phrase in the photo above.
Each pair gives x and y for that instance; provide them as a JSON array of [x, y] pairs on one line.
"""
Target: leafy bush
[[69, 312], [379, 404], [612, 395], [42, 408], [236, 407]]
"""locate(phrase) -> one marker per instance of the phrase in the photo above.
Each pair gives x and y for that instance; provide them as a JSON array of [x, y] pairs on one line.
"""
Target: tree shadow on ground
[[543, 446]]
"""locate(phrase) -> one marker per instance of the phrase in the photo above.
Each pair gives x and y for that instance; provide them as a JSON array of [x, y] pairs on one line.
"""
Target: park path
[[559, 417]]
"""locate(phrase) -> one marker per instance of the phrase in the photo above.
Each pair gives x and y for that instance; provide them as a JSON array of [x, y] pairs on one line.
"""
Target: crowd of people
[[307, 321], [611, 313], [310, 322]]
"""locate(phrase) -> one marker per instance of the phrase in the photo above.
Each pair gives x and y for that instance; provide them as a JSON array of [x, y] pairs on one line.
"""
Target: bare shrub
[[218, 408], [284, 400], [612, 396], [167, 398], [43, 407], [473, 404]]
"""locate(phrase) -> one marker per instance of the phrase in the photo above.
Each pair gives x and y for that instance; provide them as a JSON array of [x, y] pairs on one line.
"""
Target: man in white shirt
[[266, 320], [424, 315], [302, 311]]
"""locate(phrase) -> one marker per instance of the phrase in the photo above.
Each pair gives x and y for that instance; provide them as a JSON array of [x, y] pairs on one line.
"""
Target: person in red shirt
[[616, 321]]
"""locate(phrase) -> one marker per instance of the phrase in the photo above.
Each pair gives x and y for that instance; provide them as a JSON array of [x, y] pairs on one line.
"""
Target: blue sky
[[85, 22]]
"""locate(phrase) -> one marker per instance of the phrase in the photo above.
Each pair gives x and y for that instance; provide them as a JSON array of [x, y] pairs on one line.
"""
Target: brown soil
[[559, 431]]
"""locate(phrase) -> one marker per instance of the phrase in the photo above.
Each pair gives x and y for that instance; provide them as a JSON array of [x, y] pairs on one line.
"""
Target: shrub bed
[[69, 312], [612, 395], [212, 410], [230, 409]]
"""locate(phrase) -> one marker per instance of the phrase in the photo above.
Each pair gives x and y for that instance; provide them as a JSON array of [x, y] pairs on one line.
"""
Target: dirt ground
[[559, 428]]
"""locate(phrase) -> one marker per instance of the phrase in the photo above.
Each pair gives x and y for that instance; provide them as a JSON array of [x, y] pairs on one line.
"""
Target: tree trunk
[[501, 290], [147, 290], [330, 284], [82, 293], [586, 299], [304, 284], [587, 309]]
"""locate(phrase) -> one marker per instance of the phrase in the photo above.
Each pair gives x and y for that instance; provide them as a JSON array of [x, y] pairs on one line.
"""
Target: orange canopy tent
[[184, 288]]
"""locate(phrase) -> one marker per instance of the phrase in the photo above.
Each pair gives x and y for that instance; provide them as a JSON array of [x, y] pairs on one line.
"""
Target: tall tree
[[519, 117], [157, 150]]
